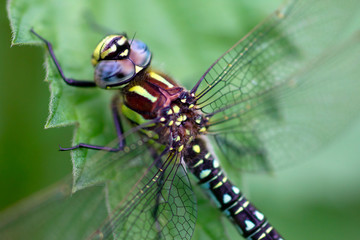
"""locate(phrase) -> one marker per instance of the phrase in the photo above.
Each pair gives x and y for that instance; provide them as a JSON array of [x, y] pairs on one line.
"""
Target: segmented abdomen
[[249, 221]]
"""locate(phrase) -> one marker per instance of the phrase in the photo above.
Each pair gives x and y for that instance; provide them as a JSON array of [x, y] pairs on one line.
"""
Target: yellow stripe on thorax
[[132, 115], [143, 92], [160, 79]]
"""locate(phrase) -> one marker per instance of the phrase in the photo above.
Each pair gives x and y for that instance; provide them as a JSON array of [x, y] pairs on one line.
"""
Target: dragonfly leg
[[119, 132], [69, 81]]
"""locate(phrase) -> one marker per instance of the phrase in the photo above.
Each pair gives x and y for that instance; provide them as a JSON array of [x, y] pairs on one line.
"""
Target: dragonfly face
[[117, 61]]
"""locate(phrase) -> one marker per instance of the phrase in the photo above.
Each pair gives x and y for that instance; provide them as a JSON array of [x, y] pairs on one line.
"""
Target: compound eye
[[139, 53], [113, 47], [110, 73]]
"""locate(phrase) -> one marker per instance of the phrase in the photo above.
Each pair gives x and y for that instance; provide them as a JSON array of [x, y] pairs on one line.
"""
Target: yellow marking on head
[[196, 148], [138, 69], [169, 112], [224, 179], [180, 148], [108, 51], [184, 117], [239, 210], [103, 43], [246, 204], [187, 131], [203, 129], [121, 41], [183, 100], [124, 53], [191, 105], [162, 119], [177, 123], [198, 121], [161, 170], [198, 163], [160, 79], [218, 185], [176, 109], [177, 138], [207, 155], [171, 123], [93, 61], [143, 92], [141, 191], [147, 186]]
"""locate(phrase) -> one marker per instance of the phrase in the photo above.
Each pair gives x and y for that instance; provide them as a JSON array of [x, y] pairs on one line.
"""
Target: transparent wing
[[160, 206], [149, 195], [54, 214], [287, 87]]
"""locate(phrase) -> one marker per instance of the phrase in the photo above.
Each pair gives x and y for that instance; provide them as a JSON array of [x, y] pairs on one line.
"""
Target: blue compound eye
[[139, 46], [114, 73], [140, 53]]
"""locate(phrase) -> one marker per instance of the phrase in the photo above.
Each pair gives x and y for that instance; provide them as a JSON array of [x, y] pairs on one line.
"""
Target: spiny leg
[[70, 81], [119, 132]]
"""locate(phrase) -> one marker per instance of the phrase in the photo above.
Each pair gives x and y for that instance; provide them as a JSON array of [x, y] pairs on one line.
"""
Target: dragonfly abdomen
[[249, 221]]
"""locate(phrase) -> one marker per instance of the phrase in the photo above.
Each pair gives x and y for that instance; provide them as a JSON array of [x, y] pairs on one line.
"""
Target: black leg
[[119, 132], [69, 81]]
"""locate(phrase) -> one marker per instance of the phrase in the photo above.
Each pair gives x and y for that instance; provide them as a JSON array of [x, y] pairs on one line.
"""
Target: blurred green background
[[29, 156], [317, 199]]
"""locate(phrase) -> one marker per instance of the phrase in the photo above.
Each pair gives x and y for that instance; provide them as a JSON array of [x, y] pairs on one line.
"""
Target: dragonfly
[[244, 108]]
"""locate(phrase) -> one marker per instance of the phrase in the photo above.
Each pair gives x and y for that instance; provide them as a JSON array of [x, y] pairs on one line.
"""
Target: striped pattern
[[249, 221], [153, 93]]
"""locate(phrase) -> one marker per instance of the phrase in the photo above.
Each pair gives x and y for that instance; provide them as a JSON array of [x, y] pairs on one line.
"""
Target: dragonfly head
[[117, 60]]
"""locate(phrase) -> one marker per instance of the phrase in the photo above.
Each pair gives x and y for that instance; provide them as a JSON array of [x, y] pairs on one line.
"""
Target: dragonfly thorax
[[155, 96]]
